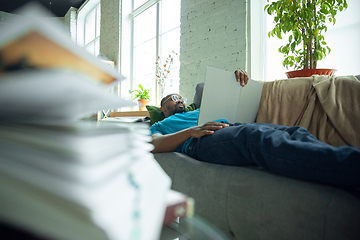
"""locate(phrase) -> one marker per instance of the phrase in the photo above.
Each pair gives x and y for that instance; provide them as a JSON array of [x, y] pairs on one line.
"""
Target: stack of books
[[60, 177]]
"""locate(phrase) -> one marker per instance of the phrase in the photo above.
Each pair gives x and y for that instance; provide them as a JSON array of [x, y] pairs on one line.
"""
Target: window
[[92, 30], [88, 26], [156, 32]]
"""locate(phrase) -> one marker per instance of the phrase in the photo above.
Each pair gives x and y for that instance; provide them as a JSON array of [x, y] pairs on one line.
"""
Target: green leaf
[[293, 45], [328, 49], [323, 10], [296, 35]]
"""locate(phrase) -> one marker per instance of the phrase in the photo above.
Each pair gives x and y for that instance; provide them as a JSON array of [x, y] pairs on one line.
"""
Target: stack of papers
[[63, 178], [53, 96], [81, 181]]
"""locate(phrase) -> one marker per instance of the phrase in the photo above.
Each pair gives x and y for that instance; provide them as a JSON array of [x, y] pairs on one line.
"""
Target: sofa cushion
[[154, 113]]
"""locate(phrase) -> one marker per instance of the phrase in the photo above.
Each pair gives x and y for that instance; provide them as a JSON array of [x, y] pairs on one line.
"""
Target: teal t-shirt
[[176, 123]]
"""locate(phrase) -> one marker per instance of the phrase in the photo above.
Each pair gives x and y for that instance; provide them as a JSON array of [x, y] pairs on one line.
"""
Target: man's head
[[171, 104]]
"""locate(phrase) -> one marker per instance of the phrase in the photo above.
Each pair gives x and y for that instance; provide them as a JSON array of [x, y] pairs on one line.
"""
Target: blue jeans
[[289, 151]]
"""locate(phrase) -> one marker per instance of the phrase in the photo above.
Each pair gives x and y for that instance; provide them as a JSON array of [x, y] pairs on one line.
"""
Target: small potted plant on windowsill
[[142, 94], [306, 21]]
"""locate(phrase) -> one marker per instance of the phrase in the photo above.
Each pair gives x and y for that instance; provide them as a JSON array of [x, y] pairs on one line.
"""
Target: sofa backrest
[[198, 94]]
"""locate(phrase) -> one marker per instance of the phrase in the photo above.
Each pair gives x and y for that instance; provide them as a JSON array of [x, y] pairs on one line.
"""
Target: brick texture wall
[[70, 21], [110, 29], [213, 33]]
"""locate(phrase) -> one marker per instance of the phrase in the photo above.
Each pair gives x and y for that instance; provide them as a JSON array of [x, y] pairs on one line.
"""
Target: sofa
[[251, 203]]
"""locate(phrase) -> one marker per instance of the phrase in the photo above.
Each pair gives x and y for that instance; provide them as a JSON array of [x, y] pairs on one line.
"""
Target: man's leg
[[290, 151]]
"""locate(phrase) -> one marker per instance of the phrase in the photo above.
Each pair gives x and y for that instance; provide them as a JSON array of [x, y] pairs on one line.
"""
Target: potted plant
[[306, 21], [142, 94]]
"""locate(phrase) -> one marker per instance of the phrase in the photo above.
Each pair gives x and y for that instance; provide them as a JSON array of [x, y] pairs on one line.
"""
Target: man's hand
[[206, 129], [242, 77], [169, 142]]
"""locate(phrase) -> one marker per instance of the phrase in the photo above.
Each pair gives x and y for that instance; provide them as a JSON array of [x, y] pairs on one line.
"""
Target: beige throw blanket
[[329, 107]]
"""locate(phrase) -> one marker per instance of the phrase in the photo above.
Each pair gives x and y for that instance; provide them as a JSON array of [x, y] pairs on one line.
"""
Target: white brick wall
[[70, 21], [213, 33], [110, 29]]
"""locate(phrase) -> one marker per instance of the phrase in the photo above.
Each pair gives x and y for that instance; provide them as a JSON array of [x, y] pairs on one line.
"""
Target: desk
[[130, 114], [121, 114]]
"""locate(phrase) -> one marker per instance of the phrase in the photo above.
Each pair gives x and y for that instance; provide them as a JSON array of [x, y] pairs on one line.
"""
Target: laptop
[[224, 98]]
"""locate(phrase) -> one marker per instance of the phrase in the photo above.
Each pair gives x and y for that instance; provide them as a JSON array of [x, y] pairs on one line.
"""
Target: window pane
[[144, 59], [171, 42], [172, 82], [90, 27], [90, 47], [170, 14], [145, 26]]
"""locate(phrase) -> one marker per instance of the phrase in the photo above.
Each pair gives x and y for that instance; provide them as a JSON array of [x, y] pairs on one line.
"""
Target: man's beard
[[179, 109]]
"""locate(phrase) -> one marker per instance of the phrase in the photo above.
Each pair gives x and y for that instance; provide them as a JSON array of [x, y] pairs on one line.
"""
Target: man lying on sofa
[[290, 151]]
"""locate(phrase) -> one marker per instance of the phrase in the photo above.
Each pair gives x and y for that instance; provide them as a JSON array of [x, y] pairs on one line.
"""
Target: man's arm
[[169, 142]]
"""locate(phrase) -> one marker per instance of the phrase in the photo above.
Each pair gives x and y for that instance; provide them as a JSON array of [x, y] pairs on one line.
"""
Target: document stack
[[60, 177]]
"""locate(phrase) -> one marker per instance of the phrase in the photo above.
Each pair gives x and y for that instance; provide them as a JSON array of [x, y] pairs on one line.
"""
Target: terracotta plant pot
[[310, 72], [142, 104]]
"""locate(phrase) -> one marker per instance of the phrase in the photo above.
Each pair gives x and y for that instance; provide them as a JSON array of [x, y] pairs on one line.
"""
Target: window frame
[[82, 13], [133, 15], [96, 39]]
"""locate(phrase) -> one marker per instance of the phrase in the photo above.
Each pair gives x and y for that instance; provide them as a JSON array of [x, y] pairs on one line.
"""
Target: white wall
[[70, 21], [213, 33], [344, 40], [110, 29]]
